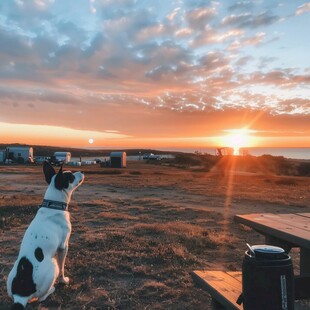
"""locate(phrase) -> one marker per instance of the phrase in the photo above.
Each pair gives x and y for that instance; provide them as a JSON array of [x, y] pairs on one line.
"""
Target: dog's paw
[[64, 280]]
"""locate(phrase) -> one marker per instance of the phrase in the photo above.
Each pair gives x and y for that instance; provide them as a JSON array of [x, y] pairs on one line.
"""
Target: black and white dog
[[45, 244]]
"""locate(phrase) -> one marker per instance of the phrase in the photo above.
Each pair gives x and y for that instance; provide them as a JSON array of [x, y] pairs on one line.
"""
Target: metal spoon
[[251, 249]]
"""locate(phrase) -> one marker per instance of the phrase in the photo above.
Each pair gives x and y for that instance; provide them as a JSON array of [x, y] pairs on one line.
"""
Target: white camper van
[[20, 154], [64, 157]]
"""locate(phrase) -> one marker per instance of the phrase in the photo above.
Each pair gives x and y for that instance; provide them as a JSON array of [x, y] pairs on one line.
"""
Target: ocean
[[294, 152]]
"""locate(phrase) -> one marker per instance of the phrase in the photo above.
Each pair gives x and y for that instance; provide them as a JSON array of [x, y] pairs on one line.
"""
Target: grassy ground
[[139, 232]]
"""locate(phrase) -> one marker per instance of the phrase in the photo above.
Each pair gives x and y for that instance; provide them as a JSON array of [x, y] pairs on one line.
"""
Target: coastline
[[287, 152]]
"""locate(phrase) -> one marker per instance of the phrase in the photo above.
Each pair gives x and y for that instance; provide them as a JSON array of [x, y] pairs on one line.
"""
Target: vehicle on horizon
[[151, 156]]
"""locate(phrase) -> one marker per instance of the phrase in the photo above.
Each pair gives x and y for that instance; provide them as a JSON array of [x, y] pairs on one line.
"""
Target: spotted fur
[[44, 247], [23, 284], [38, 253]]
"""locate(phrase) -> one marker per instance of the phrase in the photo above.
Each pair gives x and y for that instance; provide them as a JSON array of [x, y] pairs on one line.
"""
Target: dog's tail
[[17, 306]]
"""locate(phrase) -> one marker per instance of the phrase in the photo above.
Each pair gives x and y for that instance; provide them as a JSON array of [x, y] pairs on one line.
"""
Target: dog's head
[[61, 184]]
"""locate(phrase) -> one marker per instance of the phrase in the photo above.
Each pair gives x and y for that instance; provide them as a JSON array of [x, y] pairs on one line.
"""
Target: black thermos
[[267, 279]]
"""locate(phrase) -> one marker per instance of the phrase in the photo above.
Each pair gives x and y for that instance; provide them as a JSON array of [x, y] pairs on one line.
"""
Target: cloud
[[183, 32], [95, 45], [281, 78], [160, 72], [243, 60], [26, 14], [213, 61], [200, 17], [152, 31], [172, 16], [13, 45], [240, 43], [248, 20], [38, 95], [211, 36], [303, 8], [114, 64], [241, 5], [294, 106], [265, 61]]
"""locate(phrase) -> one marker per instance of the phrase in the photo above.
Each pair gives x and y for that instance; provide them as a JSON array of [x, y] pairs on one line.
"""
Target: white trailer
[[64, 157], [20, 154]]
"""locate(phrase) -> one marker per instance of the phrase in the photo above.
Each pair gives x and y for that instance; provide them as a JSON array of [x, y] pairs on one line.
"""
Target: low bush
[[304, 169]]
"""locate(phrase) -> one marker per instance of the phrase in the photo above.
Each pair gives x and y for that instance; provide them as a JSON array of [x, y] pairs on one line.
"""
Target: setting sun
[[236, 139]]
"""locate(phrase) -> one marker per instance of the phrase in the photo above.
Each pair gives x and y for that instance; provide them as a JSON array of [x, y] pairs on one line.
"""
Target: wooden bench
[[224, 287]]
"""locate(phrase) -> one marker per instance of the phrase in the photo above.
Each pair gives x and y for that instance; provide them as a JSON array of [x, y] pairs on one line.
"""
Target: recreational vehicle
[[63, 157], [20, 154]]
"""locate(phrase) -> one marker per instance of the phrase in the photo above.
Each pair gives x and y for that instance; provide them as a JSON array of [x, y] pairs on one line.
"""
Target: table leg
[[304, 261], [277, 242], [302, 287]]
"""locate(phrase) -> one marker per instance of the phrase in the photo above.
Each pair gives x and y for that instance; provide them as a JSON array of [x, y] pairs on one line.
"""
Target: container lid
[[268, 251]]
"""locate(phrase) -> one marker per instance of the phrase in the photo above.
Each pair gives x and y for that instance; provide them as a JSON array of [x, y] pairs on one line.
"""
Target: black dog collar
[[52, 204]]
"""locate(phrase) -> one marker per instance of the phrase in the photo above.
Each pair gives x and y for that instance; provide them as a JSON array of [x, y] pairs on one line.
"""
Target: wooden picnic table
[[286, 231]]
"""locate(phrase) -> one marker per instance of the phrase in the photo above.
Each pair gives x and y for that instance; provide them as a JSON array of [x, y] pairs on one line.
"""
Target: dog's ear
[[59, 180], [49, 171]]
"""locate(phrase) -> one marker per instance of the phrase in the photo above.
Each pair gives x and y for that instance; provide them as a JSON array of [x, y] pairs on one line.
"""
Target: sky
[[155, 73]]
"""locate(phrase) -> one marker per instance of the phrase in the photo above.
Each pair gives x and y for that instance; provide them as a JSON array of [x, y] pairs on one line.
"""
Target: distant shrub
[[267, 164], [204, 161], [277, 164], [187, 160], [304, 169], [209, 161]]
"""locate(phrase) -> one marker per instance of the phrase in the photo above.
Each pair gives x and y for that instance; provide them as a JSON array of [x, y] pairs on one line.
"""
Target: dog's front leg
[[61, 258]]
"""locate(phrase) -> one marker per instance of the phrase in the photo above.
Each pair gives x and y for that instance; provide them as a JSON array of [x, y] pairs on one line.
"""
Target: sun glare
[[237, 139]]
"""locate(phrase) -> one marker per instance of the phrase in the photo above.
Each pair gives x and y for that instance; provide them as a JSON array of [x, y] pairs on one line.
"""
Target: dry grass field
[[138, 232]]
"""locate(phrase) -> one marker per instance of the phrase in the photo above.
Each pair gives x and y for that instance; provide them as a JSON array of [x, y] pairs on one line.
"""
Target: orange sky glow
[[166, 74], [61, 136]]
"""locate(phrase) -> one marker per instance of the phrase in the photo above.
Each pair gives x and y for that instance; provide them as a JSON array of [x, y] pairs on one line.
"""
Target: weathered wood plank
[[224, 287], [236, 274], [271, 224], [294, 220], [304, 214]]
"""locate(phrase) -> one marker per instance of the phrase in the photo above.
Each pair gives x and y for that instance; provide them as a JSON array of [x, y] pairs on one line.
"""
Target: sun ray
[[237, 139]]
